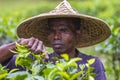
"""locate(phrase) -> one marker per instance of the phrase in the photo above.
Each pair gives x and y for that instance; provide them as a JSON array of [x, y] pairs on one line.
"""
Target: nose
[[57, 35]]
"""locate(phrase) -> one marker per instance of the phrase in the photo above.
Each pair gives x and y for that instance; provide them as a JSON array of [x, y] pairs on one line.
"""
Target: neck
[[71, 54]]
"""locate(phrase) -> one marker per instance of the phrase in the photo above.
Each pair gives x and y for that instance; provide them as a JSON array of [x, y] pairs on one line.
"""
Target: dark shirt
[[98, 66]]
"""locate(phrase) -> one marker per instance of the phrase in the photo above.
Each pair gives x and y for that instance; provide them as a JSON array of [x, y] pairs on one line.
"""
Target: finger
[[45, 52], [39, 47], [34, 46], [30, 43], [18, 41], [23, 41], [43, 49]]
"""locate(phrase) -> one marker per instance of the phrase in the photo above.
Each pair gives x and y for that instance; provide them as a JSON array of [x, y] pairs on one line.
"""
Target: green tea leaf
[[76, 75], [65, 56], [64, 74], [13, 70], [20, 75], [91, 61]]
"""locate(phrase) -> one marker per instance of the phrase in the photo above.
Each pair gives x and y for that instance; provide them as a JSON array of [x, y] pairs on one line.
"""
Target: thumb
[[45, 53]]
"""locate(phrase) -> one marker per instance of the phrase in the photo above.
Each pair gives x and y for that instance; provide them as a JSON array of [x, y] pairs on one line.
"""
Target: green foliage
[[112, 45], [39, 69], [104, 9], [3, 73], [9, 20]]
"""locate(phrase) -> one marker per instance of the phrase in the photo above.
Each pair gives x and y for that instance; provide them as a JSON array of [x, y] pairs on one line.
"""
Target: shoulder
[[97, 64], [84, 57], [99, 69]]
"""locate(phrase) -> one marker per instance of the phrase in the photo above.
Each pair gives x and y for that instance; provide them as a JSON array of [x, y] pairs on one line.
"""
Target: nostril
[[57, 35]]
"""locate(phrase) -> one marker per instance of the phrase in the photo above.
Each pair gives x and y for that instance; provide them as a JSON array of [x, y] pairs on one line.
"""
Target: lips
[[57, 45]]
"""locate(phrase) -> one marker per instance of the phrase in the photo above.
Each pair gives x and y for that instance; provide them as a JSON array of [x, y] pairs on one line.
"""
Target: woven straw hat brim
[[93, 30]]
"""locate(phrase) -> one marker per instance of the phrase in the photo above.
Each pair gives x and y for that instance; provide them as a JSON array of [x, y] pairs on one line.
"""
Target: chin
[[59, 51]]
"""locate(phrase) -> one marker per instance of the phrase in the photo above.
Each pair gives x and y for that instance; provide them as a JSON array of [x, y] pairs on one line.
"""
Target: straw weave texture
[[93, 30]]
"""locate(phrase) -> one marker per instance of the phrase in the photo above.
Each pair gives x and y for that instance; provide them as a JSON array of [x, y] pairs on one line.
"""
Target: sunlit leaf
[[91, 61], [65, 56]]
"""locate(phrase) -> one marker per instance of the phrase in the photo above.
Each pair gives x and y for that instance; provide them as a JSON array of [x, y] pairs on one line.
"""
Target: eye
[[65, 30]]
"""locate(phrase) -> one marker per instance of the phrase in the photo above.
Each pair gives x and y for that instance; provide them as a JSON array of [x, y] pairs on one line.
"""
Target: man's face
[[62, 35]]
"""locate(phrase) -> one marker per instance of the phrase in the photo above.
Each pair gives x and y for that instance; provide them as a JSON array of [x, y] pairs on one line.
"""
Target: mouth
[[57, 45]]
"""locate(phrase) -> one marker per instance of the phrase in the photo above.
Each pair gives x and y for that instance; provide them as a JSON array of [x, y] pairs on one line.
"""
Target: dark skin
[[62, 37], [32, 43]]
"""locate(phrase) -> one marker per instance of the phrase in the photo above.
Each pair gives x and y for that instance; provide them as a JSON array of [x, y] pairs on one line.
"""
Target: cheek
[[68, 39], [50, 38]]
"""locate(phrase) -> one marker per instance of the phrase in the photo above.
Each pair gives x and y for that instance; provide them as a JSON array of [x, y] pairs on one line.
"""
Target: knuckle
[[38, 51], [32, 38], [41, 42], [32, 49], [36, 40], [21, 38], [29, 45]]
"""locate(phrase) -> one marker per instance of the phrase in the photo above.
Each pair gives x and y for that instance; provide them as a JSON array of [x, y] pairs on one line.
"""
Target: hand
[[34, 45]]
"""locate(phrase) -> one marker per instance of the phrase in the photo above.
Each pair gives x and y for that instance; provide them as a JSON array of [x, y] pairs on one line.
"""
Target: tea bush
[[63, 69], [107, 10]]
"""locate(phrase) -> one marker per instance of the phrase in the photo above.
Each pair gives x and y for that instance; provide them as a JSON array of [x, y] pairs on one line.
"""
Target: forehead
[[58, 21]]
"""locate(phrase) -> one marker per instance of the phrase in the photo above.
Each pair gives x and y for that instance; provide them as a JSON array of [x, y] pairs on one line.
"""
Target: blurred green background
[[12, 12]]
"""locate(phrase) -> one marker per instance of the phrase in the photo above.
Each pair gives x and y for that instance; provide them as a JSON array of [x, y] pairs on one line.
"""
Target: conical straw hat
[[93, 30]]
